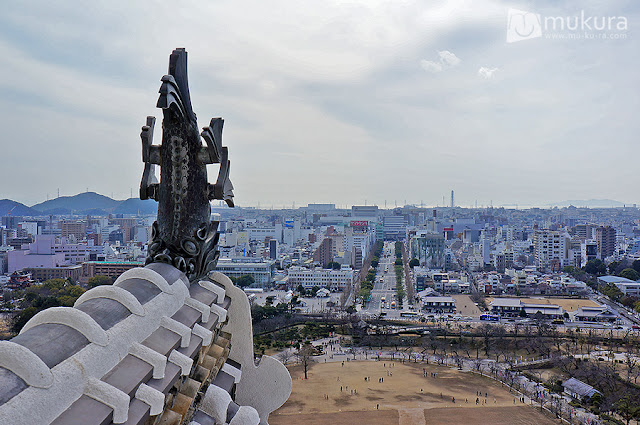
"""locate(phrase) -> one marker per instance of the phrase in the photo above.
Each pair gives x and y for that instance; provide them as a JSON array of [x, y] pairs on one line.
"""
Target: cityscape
[[409, 270]]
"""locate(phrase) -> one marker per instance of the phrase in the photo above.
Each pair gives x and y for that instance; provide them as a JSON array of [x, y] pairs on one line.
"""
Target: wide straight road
[[384, 285]]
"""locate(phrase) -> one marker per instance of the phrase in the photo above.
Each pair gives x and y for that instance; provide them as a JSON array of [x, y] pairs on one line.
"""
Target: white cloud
[[431, 66], [446, 60], [487, 73]]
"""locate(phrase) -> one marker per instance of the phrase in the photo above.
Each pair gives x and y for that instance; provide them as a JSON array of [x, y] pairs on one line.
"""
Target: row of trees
[[375, 260], [624, 266], [596, 267], [400, 292], [293, 336], [366, 286], [52, 293], [243, 281]]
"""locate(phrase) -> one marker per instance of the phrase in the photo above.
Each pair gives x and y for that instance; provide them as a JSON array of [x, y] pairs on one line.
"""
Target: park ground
[[397, 393]]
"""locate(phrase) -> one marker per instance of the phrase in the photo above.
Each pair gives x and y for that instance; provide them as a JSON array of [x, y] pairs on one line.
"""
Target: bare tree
[[633, 366], [486, 331], [305, 357], [477, 364], [285, 356]]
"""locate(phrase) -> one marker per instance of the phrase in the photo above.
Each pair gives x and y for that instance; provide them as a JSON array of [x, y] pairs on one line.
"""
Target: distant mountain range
[[590, 203], [91, 203], [16, 208], [79, 204], [87, 203]]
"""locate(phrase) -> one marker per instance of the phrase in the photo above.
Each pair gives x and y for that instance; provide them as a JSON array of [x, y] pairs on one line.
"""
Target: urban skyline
[[389, 204]]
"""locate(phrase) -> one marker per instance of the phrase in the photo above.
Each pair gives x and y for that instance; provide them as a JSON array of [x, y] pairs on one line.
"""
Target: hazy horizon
[[585, 203]]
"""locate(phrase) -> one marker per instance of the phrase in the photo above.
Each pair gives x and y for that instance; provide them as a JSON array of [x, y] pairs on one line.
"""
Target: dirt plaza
[[397, 393]]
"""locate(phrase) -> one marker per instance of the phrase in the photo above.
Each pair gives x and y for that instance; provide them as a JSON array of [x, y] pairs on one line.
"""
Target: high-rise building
[[75, 228], [324, 253], [584, 231], [606, 240], [549, 249]]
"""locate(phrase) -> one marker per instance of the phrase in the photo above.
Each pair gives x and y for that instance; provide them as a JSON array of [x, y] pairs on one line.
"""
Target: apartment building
[[606, 240], [550, 249]]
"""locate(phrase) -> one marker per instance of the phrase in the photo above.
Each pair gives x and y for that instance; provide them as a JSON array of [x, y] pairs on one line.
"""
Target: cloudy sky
[[329, 101]]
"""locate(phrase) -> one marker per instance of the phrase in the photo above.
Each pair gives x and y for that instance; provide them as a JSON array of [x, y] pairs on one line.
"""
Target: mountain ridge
[[86, 203], [589, 203], [16, 208]]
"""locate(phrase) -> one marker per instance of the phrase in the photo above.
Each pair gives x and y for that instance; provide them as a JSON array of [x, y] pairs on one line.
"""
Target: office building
[[334, 280], [606, 240]]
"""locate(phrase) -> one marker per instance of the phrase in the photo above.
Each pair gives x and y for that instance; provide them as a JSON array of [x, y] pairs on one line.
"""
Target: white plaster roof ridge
[[181, 329], [269, 376], [149, 275], [152, 397], [221, 312], [96, 360], [215, 403], [111, 396], [212, 287], [115, 293], [25, 364], [204, 333], [246, 415], [155, 359], [233, 371], [73, 318], [182, 361], [204, 309]]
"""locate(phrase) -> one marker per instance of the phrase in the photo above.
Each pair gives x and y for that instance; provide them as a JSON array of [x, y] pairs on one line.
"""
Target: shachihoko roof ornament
[[183, 234]]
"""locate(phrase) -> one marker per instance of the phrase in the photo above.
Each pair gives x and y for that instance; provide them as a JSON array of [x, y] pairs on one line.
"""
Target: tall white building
[[550, 249]]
